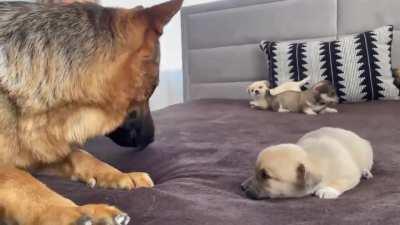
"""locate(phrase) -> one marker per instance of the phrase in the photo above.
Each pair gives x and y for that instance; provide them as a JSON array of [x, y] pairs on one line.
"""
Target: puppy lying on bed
[[259, 89], [325, 162], [319, 99]]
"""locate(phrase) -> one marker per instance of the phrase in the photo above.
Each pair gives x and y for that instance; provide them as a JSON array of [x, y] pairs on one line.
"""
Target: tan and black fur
[[69, 73]]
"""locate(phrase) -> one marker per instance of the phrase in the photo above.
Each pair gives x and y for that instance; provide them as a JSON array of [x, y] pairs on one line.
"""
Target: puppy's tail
[[304, 81]]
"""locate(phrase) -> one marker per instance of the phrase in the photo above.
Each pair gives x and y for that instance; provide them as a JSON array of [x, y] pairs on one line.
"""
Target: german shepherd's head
[[138, 127], [80, 70]]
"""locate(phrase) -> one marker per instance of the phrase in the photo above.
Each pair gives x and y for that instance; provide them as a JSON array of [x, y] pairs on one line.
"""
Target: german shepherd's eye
[[264, 175]]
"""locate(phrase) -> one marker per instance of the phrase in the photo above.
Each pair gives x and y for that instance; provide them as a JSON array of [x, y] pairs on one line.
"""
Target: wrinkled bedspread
[[205, 149]]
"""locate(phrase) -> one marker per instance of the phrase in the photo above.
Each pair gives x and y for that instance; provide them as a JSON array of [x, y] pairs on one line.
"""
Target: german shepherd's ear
[[161, 14]]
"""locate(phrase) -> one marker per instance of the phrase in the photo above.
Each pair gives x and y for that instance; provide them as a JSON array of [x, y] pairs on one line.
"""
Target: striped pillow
[[359, 66]]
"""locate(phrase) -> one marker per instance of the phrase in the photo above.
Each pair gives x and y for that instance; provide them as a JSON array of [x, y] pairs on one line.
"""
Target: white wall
[[171, 39], [170, 90]]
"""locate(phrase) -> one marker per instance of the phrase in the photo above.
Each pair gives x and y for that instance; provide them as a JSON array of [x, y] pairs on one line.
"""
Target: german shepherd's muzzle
[[137, 130]]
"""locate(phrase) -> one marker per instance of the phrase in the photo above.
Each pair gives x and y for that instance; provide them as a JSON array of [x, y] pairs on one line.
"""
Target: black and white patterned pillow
[[359, 66]]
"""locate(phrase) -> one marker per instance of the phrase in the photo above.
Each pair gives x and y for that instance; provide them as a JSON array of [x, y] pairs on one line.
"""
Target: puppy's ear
[[161, 14], [305, 178], [318, 86], [267, 83], [301, 171]]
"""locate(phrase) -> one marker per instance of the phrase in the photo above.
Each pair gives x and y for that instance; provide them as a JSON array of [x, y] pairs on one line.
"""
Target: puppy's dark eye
[[264, 175], [260, 87]]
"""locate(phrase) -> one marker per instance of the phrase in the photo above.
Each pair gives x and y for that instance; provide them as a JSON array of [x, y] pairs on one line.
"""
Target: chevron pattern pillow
[[359, 66]]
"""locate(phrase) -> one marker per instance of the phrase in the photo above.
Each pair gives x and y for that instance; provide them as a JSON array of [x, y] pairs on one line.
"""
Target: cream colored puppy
[[258, 91], [325, 162]]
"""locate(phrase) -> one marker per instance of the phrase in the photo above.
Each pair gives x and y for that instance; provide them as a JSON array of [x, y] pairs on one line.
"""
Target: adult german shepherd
[[69, 73]]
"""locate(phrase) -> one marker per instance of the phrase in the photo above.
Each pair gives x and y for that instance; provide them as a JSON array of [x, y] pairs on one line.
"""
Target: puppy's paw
[[253, 104], [327, 193], [330, 110], [310, 112], [366, 174], [283, 110]]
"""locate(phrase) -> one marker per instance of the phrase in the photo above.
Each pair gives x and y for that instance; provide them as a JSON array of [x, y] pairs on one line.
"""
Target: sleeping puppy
[[259, 89], [325, 162], [319, 99]]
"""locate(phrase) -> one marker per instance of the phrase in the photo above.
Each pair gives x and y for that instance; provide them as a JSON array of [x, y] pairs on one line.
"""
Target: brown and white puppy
[[259, 89], [319, 99], [325, 162]]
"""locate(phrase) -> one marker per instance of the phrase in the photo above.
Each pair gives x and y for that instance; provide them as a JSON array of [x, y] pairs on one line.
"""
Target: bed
[[206, 146], [199, 164]]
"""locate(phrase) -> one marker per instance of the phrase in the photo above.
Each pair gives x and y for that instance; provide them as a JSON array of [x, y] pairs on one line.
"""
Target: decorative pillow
[[359, 66]]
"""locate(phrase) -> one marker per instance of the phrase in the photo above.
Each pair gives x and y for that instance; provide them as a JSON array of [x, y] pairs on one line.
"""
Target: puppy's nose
[[251, 195], [257, 92], [243, 187]]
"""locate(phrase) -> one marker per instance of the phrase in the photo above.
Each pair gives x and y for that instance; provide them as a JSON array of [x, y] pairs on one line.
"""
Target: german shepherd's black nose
[[137, 131]]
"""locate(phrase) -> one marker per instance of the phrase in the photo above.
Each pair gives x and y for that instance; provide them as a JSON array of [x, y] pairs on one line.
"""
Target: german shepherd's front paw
[[127, 181], [82, 166], [104, 215], [84, 215], [141, 179]]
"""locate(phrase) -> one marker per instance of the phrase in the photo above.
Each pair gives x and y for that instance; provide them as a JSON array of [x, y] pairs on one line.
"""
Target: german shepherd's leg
[[82, 166], [26, 201]]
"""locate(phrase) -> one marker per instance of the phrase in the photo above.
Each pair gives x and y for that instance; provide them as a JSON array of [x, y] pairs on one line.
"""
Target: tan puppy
[[258, 91], [325, 162]]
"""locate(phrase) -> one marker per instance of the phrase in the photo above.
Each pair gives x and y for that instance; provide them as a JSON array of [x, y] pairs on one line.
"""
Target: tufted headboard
[[220, 39]]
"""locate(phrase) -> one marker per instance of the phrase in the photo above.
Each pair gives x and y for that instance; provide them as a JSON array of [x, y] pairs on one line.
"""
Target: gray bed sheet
[[205, 149]]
